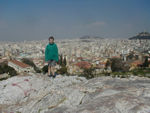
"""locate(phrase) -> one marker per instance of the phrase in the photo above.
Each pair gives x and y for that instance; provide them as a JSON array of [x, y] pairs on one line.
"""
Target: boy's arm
[[57, 53], [46, 51]]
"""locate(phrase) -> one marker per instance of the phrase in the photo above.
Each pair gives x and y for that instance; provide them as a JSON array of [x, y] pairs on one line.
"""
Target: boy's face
[[51, 40]]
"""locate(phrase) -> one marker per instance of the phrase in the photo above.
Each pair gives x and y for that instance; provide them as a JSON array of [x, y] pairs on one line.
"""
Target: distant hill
[[142, 35], [90, 37]]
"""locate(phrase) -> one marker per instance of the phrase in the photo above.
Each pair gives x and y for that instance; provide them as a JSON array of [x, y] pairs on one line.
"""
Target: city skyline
[[37, 20]]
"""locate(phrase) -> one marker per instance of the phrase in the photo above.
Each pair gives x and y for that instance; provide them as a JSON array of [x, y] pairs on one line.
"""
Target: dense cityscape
[[79, 54]]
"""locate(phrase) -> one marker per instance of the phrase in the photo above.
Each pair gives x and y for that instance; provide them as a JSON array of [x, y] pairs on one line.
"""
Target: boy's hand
[[45, 62]]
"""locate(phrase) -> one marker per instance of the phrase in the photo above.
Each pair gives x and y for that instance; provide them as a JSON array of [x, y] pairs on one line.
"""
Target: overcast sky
[[39, 19]]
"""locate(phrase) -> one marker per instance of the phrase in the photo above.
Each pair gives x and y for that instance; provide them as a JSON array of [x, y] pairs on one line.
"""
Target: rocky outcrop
[[73, 94]]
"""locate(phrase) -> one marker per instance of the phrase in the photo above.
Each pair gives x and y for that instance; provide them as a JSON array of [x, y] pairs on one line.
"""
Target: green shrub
[[62, 70], [121, 74], [117, 65], [45, 69], [7, 69], [37, 70], [141, 72], [88, 73]]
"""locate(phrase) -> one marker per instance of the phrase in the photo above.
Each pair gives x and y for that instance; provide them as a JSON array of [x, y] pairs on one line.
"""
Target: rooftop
[[21, 64]]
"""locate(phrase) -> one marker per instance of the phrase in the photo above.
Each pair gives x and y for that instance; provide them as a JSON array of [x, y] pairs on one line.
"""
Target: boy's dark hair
[[51, 37]]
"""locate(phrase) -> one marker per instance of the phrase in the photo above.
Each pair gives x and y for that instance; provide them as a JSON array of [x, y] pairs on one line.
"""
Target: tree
[[146, 63], [7, 69], [45, 69], [130, 56], [65, 62], [37, 70], [88, 72], [108, 63], [60, 60], [1, 70], [117, 65], [62, 70], [12, 71]]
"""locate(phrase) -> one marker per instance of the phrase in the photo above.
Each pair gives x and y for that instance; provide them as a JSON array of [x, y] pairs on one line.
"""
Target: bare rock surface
[[73, 94]]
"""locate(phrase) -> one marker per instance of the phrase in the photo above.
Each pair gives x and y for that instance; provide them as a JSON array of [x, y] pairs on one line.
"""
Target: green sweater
[[51, 52]]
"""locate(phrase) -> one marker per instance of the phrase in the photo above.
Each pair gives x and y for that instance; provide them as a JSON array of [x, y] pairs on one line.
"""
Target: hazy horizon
[[37, 19]]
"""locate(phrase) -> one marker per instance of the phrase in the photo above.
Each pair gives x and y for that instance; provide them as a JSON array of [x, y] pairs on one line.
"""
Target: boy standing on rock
[[51, 56]]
